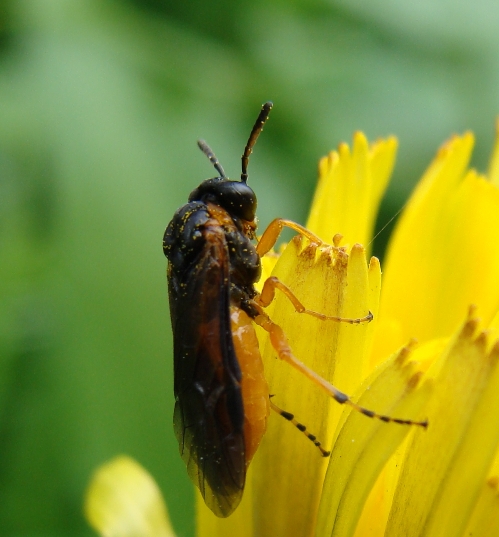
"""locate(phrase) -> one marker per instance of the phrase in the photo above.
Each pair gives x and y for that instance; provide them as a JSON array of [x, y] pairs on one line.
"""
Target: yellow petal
[[485, 519], [377, 506], [443, 256], [364, 445], [268, 263], [493, 173], [288, 469], [350, 188], [445, 468], [494, 331], [123, 500]]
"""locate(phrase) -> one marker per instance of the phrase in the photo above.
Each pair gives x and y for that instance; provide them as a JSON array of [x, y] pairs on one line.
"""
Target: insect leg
[[273, 230], [291, 418], [268, 294], [281, 346]]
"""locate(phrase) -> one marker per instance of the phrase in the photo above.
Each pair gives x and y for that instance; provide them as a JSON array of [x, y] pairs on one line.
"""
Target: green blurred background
[[101, 103]]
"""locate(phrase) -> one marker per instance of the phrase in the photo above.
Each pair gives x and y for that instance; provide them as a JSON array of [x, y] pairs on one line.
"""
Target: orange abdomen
[[255, 391]]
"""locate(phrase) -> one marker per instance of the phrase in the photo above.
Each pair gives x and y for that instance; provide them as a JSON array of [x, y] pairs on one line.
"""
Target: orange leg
[[268, 294], [281, 345], [290, 417], [271, 234]]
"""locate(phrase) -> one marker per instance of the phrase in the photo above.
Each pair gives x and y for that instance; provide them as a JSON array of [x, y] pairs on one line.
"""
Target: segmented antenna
[[206, 149], [255, 132]]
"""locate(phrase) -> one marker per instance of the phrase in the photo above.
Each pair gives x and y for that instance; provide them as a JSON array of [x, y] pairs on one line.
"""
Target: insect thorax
[[199, 230]]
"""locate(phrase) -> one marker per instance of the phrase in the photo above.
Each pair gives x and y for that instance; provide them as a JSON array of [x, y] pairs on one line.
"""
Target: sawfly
[[222, 399]]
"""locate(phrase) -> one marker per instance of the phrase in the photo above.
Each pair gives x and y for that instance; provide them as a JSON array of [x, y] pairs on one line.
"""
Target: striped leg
[[291, 418], [281, 346]]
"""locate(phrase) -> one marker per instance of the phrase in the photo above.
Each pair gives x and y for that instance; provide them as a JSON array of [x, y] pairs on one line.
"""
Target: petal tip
[[337, 239]]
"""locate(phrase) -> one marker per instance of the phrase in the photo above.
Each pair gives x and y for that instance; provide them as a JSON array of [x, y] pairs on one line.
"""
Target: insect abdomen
[[254, 387]]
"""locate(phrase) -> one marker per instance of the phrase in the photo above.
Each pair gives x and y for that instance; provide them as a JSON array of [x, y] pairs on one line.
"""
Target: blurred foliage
[[101, 103]]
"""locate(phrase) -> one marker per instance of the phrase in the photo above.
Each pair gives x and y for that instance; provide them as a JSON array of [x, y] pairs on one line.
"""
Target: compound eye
[[237, 198]]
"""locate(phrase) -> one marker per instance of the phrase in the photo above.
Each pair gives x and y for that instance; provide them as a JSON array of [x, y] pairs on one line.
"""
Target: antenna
[[206, 149], [253, 137]]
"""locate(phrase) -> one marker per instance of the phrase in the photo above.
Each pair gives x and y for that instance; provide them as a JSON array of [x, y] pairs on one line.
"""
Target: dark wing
[[209, 415]]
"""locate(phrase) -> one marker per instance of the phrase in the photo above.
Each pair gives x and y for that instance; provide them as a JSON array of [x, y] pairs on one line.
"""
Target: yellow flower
[[123, 500], [383, 478]]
